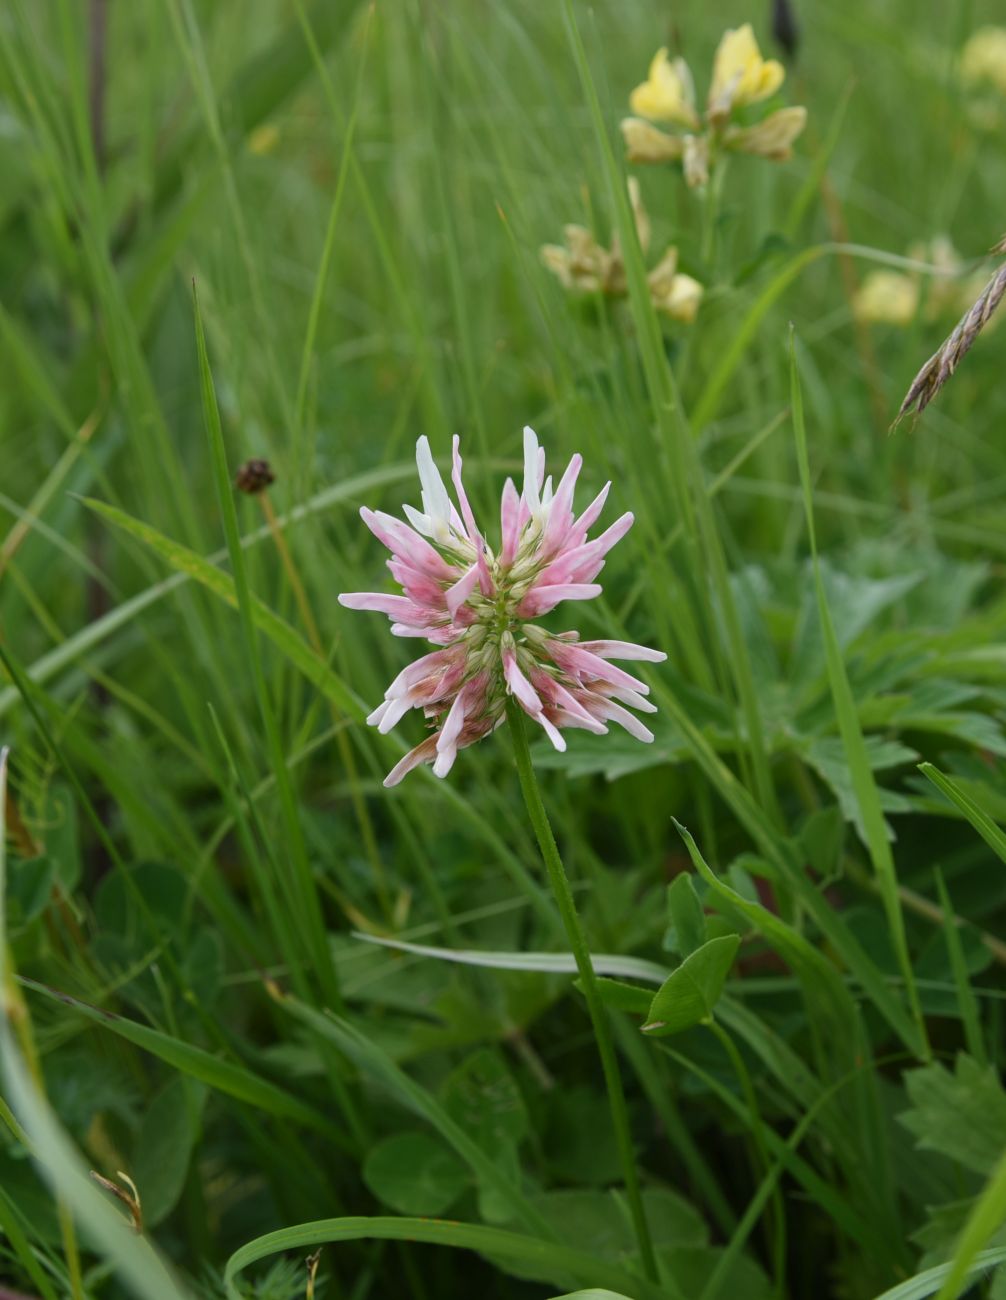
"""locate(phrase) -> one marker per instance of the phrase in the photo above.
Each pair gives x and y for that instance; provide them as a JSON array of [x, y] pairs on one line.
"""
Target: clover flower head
[[740, 77], [478, 606]]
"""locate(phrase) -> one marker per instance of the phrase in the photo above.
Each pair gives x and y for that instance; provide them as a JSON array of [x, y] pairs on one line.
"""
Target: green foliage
[[197, 834], [960, 1113], [688, 996]]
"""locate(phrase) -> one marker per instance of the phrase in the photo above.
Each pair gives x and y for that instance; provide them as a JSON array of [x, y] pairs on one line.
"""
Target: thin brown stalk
[[942, 364]]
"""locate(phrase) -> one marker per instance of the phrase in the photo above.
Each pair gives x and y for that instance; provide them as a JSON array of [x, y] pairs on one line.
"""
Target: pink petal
[[520, 688], [393, 606], [471, 528], [405, 542], [510, 522], [560, 518], [423, 753], [447, 740], [579, 530], [623, 650], [606, 708], [552, 732], [581, 663], [462, 589], [539, 600]]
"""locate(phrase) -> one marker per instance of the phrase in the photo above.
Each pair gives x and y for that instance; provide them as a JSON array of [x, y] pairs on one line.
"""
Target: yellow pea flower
[[645, 143], [887, 298], [983, 58], [740, 74], [668, 94], [770, 138]]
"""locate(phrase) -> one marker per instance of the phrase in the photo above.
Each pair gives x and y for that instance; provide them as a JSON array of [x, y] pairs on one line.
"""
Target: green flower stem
[[598, 1014]]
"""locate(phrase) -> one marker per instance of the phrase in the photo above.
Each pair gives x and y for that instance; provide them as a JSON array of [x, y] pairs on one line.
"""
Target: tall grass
[[198, 842]]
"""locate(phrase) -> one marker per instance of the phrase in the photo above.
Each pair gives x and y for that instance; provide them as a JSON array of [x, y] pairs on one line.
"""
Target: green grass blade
[[304, 894], [928, 1282], [224, 1076], [966, 1000], [58, 1161], [863, 782], [981, 821], [437, 1232]]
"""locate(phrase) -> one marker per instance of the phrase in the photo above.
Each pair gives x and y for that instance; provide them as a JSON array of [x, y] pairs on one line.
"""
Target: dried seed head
[[254, 476], [942, 364]]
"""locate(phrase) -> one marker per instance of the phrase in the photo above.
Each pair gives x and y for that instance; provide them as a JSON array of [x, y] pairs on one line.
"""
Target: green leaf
[[377, 1065], [687, 931], [483, 1097], [413, 1173], [164, 1147], [29, 888], [960, 1114], [623, 997], [689, 995]]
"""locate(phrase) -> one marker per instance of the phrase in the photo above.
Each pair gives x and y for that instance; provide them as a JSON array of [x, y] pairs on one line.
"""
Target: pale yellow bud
[[683, 300], [645, 144]]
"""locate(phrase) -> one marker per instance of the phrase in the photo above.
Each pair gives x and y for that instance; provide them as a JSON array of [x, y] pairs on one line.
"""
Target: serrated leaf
[[689, 995], [960, 1114]]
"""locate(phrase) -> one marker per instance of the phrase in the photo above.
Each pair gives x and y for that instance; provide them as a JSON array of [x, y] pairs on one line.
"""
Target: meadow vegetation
[[272, 1029]]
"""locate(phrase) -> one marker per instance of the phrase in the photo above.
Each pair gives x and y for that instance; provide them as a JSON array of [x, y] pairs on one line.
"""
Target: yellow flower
[[983, 59], [678, 296], [645, 143], [581, 265], [668, 94], [887, 298], [770, 138], [740, 74]]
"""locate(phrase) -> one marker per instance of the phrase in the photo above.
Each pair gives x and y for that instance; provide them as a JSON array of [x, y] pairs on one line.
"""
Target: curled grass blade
[[528, 1251], [553, 963]]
